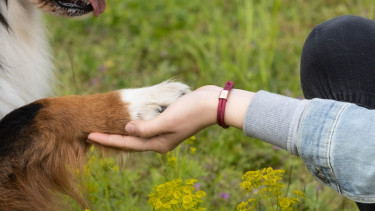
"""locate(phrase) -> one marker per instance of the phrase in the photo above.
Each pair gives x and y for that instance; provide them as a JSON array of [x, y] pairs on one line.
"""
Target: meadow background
[[255, 43]]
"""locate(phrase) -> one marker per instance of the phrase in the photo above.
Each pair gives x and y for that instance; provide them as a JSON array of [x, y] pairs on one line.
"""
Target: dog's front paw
[[148, 102]]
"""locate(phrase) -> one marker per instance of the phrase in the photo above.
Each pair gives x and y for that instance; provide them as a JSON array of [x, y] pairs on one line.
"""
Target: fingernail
[[129, 128]]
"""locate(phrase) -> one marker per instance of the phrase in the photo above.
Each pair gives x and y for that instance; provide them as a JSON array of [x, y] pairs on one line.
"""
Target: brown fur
[[47, 169]]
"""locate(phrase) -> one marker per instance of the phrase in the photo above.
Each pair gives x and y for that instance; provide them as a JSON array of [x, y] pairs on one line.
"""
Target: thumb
[[145, 128]]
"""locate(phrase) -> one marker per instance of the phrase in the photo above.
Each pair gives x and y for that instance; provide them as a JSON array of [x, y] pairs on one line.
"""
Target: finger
[[118, 141], [105, 139], [147, 128], [129, 142]]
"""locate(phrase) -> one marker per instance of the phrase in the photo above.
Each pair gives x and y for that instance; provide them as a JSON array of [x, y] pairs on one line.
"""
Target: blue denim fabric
[[337, 143]]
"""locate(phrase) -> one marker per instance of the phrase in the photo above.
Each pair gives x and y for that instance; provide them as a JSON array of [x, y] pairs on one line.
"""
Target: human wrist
[[209, 103], [236, 107], [223, 98]]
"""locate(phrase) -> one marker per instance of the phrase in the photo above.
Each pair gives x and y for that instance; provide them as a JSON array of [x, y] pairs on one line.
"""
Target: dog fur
[[43, 144], [26, 71]]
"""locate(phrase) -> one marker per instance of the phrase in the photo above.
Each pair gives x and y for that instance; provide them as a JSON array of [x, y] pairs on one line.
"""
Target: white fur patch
[[26, 70], [148, 102]]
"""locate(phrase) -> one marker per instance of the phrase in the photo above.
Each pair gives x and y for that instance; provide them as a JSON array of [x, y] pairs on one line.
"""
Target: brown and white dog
[[43, 143]]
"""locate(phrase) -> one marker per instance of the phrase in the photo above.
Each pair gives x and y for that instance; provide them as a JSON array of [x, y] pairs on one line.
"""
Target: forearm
[[236, 107]]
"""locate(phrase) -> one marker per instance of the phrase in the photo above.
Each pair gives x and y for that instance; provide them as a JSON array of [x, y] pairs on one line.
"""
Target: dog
[[43, 141]]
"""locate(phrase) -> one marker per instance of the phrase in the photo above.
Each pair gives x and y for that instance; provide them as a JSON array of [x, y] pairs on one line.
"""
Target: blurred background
[[255, 43]]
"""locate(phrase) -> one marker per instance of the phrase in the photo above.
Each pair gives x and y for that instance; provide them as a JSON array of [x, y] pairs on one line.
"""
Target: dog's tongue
[[98, 6]]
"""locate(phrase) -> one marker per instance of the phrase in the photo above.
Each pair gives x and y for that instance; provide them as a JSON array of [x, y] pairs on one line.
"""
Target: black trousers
[[338, 62]]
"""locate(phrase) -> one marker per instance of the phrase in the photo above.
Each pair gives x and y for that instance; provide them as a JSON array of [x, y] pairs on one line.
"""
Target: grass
[[136, 43]]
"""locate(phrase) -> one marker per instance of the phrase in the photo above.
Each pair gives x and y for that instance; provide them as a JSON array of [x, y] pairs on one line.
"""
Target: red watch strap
[[223, 97]]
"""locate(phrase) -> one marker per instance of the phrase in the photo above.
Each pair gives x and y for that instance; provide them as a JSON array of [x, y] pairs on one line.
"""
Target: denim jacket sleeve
[[336, 140], [337, 143]]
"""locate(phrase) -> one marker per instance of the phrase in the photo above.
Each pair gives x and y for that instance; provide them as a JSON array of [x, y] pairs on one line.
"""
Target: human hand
[[184, 118]]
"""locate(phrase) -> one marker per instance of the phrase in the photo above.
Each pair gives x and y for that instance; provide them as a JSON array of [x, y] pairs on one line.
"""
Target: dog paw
[[148, 102]]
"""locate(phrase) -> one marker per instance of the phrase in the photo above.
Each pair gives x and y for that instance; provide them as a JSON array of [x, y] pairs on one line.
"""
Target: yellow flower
[[187, 199], [246, 185], [193, 150], [172, 160], [190, 140], [176, 195], [251, 200], [267, 184], [158, 204], [242, 206], [299, 194], [173, 201], [200, 194], [188, 189], [187, 202], [284, 202], [160, 188], [190, 181], [167, 206], [179, 180], [269, 170]]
